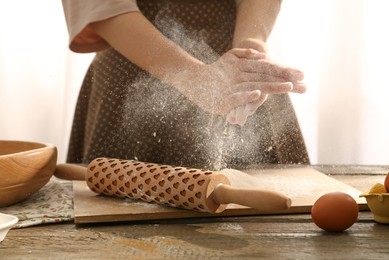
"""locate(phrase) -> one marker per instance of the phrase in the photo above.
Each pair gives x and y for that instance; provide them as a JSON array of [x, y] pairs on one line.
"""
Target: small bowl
[[25, 167], [6, 223], [379, 205]]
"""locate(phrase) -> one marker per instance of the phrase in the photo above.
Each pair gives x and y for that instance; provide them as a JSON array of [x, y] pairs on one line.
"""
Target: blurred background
[[341, 45]]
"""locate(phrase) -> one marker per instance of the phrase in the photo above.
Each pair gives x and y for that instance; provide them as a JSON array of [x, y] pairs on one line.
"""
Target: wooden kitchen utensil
[[188, 188], [25, 167]]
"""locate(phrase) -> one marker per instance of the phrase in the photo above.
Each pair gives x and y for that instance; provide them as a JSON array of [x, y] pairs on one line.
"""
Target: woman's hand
[[238, 78], [239, 115]]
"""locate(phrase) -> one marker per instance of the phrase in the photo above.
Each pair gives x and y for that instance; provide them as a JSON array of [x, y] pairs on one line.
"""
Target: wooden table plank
[[282, 237]]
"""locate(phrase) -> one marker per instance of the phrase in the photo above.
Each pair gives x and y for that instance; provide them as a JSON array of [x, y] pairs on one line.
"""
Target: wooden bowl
[[25, 167]]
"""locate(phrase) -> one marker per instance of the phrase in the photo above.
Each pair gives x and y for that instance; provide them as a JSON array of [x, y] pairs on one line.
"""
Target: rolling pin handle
[[73, 172], [264, 200]]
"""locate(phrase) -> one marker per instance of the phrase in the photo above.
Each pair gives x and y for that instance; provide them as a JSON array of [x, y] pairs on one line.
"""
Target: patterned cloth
[[51, 204]]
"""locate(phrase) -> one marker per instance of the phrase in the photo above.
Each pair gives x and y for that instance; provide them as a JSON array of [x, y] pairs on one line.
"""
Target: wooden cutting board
[[303, 185]]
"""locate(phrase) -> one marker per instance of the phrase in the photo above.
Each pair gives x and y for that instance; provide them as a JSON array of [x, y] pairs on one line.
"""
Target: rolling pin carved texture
[[166, 185]]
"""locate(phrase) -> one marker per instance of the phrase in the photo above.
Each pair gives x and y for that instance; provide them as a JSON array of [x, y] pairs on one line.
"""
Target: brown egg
[[335, 211]]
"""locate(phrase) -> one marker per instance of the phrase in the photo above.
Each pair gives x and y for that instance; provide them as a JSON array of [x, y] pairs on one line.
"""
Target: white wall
[[341, 47], [39, 77]]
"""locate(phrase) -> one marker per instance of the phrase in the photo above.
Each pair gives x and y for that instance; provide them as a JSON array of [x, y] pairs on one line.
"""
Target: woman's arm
[[255, 20], [138, 40], [231, 81]]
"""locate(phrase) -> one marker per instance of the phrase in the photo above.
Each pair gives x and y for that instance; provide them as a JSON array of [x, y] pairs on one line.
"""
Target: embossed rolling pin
[[182, 187]]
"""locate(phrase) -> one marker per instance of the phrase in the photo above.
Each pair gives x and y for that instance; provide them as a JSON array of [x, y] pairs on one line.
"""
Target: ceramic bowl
[[379, 205], [6, 223], [25, 167]]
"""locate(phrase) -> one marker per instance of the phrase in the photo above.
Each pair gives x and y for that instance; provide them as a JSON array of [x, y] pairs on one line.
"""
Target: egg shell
[[377, 188], [335, 211], [386, 183]]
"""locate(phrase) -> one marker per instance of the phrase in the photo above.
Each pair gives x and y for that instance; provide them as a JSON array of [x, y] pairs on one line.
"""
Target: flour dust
[[160, 125]]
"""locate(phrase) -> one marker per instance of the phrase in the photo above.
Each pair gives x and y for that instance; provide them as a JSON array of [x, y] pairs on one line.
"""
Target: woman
[[182, 82]]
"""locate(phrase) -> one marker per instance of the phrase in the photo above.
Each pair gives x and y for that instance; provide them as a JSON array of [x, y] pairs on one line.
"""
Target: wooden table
[[292, 236]]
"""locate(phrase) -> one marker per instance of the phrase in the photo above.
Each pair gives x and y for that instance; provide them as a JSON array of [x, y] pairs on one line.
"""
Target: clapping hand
[[238, 82], [291, 77]]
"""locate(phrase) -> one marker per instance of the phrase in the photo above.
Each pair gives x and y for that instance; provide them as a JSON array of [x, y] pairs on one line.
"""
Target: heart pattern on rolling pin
[[163, 184]]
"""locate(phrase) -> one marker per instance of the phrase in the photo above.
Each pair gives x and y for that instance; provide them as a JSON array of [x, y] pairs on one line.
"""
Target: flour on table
[[290, 184], [241, 179]]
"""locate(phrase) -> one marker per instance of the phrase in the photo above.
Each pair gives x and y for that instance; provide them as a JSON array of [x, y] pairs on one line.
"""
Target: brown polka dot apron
[[123, 112]]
